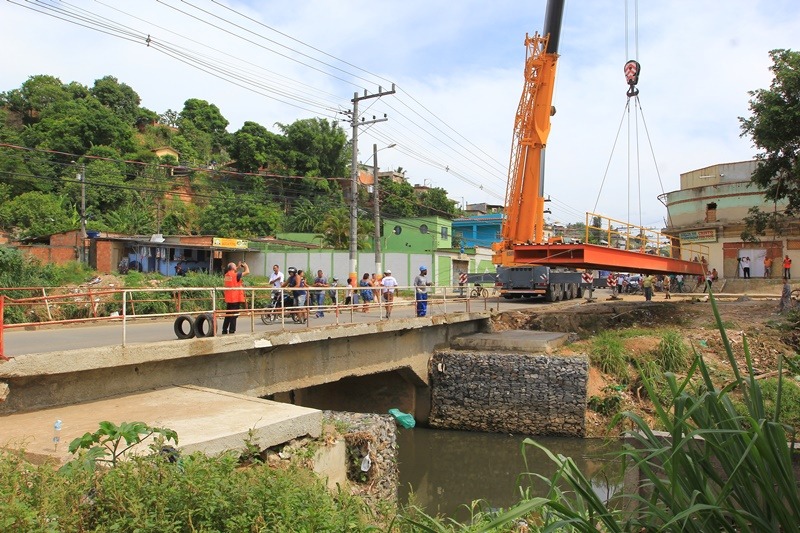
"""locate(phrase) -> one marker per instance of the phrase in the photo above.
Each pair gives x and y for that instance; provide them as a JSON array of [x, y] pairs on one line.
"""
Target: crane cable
[[632, 69]]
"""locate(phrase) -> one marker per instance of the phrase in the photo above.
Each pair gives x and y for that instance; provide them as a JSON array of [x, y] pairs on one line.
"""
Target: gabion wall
[[508, 393]]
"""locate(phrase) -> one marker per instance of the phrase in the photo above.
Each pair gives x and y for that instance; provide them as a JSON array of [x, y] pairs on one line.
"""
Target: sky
[[457, 68]]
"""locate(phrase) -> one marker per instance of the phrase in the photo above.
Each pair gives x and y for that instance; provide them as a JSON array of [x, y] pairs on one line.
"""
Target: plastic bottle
[[56, 435]]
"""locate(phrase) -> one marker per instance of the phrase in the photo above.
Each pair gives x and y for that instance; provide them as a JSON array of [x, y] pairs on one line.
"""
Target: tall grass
[[713, 469], [672, 354], [608, 354]]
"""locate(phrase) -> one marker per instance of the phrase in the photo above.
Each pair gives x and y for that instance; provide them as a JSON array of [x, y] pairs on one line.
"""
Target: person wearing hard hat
[[421, 285]]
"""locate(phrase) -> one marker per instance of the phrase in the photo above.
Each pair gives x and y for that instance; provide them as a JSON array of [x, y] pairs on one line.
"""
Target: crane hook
[[632, 69]]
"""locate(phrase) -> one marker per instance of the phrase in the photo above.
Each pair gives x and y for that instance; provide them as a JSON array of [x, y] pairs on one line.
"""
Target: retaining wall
[[508, 393]]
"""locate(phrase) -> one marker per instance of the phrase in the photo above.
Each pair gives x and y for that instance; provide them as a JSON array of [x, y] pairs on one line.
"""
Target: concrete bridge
[[323, 368]]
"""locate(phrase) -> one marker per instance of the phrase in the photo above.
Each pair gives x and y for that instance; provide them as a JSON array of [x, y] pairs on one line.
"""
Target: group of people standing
[[306, 293], [787, 267]]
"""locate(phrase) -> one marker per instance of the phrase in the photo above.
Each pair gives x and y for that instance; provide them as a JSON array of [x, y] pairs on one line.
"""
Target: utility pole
[[355, 123], [376, 200], [82, 177]]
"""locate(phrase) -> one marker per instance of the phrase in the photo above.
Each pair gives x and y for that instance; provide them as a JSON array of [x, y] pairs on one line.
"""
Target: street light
[[376, 202]]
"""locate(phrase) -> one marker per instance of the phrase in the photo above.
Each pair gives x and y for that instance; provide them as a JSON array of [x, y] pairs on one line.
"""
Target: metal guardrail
[[95, 303]]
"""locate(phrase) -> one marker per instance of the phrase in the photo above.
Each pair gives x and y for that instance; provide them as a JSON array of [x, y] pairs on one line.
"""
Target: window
[[397, 230], [711, 212], [423, 229], [444, 232]]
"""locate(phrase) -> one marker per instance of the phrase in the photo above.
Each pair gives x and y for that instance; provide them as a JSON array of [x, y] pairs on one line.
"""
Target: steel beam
[[590, 256]]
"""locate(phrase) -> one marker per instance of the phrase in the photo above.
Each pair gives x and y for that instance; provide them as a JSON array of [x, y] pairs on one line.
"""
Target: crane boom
[[524, 216]]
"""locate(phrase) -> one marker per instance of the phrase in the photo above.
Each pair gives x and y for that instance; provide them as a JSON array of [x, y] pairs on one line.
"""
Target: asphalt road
[[77, 336]]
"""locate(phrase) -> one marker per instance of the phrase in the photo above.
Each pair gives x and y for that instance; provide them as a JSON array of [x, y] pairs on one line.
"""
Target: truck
[[523, 222]]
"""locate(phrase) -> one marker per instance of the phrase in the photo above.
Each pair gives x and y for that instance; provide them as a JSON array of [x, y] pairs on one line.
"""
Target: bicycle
[[274, 310], [684, 287], [478, 292]]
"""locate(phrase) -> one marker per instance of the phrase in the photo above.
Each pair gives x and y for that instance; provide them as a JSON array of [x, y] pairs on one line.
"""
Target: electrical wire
[[472, 156]]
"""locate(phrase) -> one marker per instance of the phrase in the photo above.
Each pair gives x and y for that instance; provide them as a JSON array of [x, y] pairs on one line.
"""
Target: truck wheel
[[204, 326], [553, 293], [179, 329]]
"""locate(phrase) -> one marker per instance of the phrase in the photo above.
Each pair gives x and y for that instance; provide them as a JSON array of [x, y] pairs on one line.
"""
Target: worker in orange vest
[[787, 265], [234, 296]]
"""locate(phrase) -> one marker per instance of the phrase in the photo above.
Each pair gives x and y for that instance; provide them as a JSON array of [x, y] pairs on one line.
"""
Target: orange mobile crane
[[526, 265], [524, 216]]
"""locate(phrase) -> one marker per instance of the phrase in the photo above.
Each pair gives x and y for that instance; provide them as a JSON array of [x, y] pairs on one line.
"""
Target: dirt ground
[[756, 320]]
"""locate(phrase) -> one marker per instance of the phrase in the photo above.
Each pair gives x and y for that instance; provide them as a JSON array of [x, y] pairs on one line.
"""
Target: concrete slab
[[206, 420], [519, 341]]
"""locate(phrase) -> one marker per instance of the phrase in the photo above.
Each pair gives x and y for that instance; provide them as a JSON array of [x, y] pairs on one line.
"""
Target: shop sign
[[701, 235], [221, 242]]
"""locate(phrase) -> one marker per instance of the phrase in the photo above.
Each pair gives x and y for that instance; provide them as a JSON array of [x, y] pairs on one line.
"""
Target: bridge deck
[[591, 256]]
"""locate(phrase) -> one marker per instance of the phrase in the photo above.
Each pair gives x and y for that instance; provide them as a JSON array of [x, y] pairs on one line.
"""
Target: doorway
[[756, 256]]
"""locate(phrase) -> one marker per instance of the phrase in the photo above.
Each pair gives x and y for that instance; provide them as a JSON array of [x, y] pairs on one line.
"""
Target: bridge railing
[[54, 308]]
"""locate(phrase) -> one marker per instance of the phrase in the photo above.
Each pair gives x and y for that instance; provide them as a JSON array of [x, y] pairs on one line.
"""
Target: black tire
[[178, 327], [268, 317], [552, 293], [205, 320], [570, 292]]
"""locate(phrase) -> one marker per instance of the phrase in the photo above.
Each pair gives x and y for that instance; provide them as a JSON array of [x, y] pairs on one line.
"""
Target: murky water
[[448, 469]]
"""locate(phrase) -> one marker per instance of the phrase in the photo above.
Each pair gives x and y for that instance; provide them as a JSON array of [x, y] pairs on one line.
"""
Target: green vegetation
[[671, 354], [105, 444], [252, 182], [773, 128], [608, 354], [723, 465], [156, 493]]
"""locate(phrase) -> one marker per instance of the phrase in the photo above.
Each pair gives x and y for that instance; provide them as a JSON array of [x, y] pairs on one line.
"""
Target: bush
[[151, 493], [608, 354], [671, 354]]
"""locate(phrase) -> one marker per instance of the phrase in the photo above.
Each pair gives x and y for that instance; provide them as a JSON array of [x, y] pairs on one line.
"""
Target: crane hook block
[[632, 69]]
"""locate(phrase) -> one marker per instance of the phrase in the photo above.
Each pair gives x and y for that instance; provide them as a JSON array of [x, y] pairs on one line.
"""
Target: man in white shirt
[[276, 278], [276, 281], [389, 283], [746, 267]]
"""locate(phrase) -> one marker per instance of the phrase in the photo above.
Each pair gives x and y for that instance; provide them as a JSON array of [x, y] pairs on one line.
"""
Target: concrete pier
[[206, 420]]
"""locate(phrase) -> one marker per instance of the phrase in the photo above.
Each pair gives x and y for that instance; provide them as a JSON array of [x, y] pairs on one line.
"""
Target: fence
[[269, 305]]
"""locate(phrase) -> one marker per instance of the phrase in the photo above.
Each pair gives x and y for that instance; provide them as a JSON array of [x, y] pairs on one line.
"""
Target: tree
[[335, 230], [774, 126], [118, 97], [180, 218], [36, 94], [436, 203], [169, 117], [306, 215], [240, 215], [34, 214], [254, 147], [133, 218], [75, 126], [315, 147], [596, 232], [397, 199]]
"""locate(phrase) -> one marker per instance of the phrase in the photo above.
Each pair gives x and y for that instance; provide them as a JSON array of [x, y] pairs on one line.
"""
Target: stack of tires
[[187, 327]]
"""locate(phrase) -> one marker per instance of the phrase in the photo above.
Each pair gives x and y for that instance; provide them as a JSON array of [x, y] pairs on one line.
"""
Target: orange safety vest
[[787, 263], [233, 297]]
